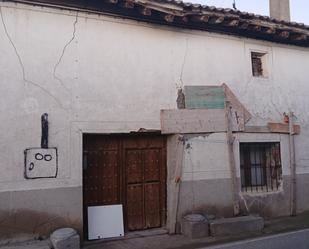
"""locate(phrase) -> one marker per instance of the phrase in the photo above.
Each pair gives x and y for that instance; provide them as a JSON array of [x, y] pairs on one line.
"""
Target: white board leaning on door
[[105, 222]]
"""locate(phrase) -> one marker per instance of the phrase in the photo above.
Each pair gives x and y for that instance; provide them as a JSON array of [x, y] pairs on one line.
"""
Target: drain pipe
[[292, 164]]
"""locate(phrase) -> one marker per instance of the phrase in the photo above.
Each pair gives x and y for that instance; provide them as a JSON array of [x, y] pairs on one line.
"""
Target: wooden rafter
[[112, 1], [129, 4], [145, 11], [201, 18], [168, 17], [231, 23]]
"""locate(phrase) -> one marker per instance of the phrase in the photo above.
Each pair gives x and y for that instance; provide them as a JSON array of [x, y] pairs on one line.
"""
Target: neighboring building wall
[[100, 74]]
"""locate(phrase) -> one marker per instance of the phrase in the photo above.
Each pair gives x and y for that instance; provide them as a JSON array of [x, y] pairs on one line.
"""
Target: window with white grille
[[260, 166]]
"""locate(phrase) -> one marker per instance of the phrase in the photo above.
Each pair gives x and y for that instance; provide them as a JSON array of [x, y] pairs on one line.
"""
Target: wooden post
[[292, 164], [230, 142], [175, 184]]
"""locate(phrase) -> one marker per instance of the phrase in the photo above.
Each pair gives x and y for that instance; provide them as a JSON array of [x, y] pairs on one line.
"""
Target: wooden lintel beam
[[257, 129], [192, 121], [145, 11], [202, 18], [283, 128]]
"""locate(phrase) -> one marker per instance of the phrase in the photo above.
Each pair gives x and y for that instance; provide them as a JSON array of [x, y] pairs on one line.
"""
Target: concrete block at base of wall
[[236, 225], [65, 238], [194, 226]]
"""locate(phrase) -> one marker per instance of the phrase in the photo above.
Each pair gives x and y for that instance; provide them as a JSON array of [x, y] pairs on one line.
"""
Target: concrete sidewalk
[[158, 240], [165, 241]]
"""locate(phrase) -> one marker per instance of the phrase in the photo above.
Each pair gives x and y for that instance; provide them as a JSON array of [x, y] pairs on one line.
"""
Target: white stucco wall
[[101, 74], [206, 156]]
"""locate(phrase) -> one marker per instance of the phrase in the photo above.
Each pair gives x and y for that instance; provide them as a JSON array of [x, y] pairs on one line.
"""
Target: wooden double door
[[127, 170]]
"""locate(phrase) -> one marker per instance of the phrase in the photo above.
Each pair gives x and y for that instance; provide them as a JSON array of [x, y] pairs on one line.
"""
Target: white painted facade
[[98, 74], [206, 157]]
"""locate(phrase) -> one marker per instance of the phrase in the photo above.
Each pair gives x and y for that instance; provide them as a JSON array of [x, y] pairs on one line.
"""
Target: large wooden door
[[127, 170]]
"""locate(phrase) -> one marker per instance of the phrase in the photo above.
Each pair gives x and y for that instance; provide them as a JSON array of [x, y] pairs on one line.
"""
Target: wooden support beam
[[292, 164], [257, 129], [192, 121], [230, 144], [145, 11], [237, 106], [175, 181], [282, 128]]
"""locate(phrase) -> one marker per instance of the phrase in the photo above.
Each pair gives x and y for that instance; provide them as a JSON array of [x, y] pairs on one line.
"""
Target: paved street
[[292, 240]]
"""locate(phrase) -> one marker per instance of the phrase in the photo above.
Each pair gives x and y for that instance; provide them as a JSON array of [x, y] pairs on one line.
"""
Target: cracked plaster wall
[[100, 74], [206, 183]]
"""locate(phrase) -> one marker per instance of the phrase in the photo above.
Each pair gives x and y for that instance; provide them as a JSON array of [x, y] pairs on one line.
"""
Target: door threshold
[[145, 233], [130, 235]]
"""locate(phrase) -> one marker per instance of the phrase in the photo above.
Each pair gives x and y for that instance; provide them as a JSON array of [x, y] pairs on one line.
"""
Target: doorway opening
[[129, 170]]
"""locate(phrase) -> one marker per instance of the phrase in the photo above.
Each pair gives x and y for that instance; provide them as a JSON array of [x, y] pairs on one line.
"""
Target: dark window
[[260, 166], [257, 64]]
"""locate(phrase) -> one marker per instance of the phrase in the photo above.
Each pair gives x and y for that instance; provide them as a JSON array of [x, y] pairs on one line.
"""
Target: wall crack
[[63, 52], [183, 66], [22, 64]]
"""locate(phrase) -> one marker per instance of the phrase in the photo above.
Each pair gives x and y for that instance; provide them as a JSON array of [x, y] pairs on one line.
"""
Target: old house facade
[[107, 73]]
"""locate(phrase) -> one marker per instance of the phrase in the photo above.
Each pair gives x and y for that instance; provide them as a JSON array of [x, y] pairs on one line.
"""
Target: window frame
[[270, 177], [259, 58]]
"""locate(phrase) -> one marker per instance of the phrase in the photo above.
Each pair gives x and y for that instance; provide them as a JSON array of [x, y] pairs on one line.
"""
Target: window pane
[[260, 166]]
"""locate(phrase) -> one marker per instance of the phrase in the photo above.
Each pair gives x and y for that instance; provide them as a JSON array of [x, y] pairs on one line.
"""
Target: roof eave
[[194, 16]]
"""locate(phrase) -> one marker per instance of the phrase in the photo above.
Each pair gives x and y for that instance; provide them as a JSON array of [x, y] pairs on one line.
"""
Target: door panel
[[135, 208], [134, 167], [101, 178], [152, 205], [152, 163], [135, 195], [128, 170]]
